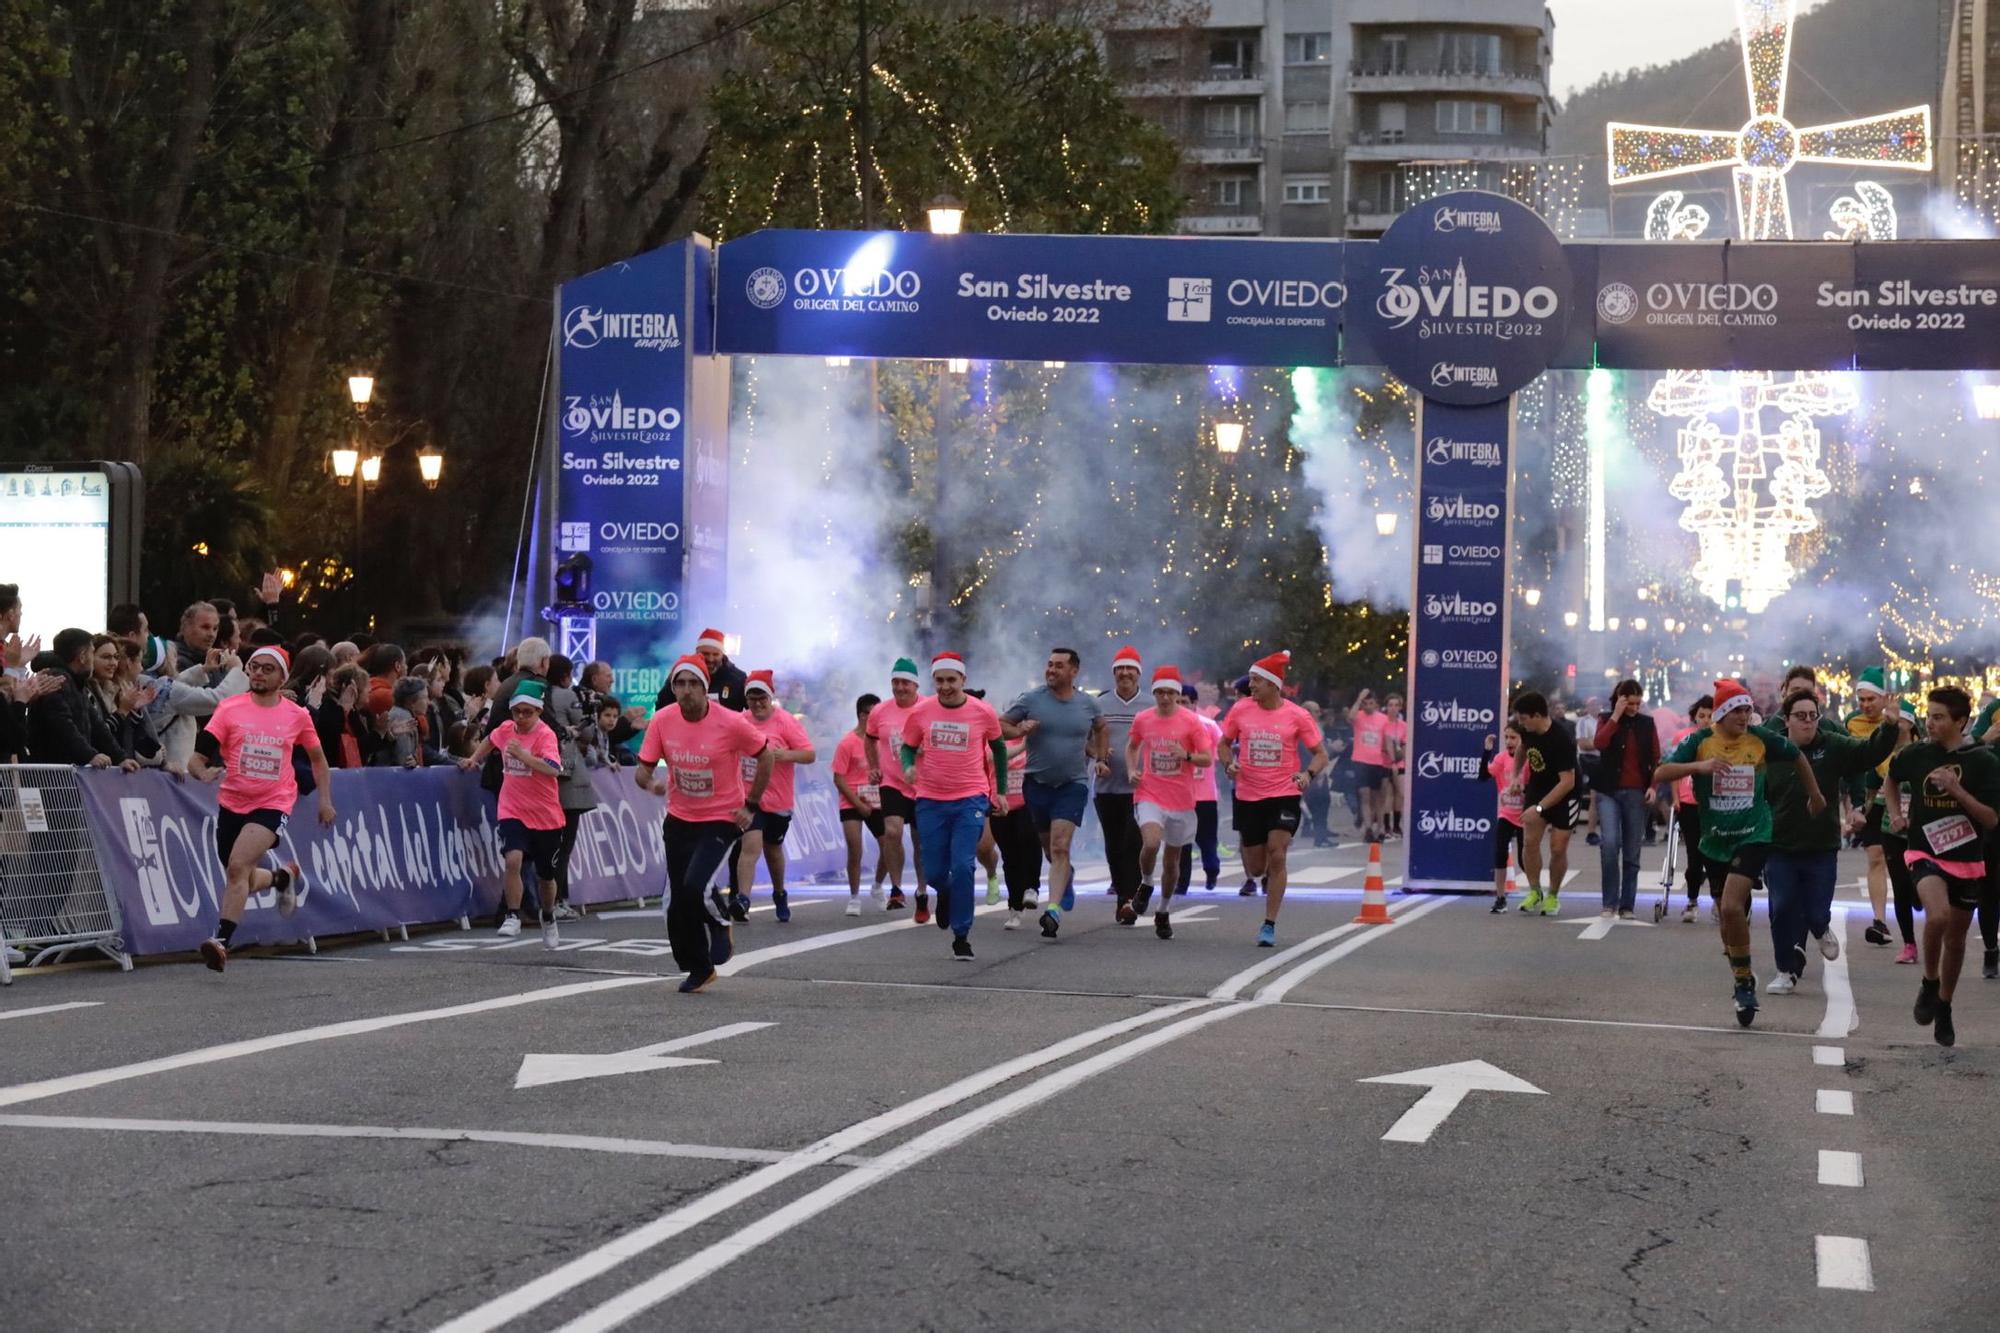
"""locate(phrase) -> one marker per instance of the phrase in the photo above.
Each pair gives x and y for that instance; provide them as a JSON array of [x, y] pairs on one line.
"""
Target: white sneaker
[[1687, 915], [853, 907], [1013, 921], [1782, 984], [1606, 915], [509, 927], [1625, 916], [1715, 912], [992, 891], [876, 893], [551, 935], [1031, 901], [564, 912], [1829, 946]]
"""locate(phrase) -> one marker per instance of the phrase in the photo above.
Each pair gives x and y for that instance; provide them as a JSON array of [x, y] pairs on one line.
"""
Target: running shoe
[[1267, 935], [1625, 916], [1144, 898], [510, 926], [1877, 933], [1829, 946], [943, 915], [288, 891], [1746, 1003], [691, 983], [1163, 925], [721, 945], [1591, 838], [739, 907], [1908, 955], [961, 949], [551, 934], [1127, 914], [1210, 886], [992, 891], [1550, 907], [1533, 902], [923, 914], [1687, 915], [895, 903], [1992, 969], [1013, 921], [1031, 900], [1942, 1029], [853, 906], [1069, 896], [1782, 984], [1715, 913], [1249, 889], [1499, 905], [1926, 1007], [213, 952], [781, 905], [1607, 914], [1050, 924]]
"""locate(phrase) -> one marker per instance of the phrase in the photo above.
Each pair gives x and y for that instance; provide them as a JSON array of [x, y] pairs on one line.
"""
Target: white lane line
[[810, 943], [1277, 990], [1832, 1101], [1841, 1015], [54, 1087], [49, 1009], [1235, 985], [1840, 1168], [512, 1305], [796, 902], [1831, 1057], [420, 1133], [1321, 874], [1731, 1030], [1843, 1263]]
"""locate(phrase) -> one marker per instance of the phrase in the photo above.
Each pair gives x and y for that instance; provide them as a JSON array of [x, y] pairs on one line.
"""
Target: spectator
[[118, 699], [601, 740], [191, 644], [63, 725], [385, 664], [346, 651], [408, 707], [263, 636], [341, 721], [480, 685], [188, 698], [16, 693], [593, 684]]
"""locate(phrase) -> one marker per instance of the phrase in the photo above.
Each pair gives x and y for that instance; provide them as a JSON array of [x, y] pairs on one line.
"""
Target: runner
[[1012, 829], [1549, 796], [1167, 746], [1902, 885], [955, 761], [885, 726], [247, 742], [1687, 819], [1261, 736], [1061, 725], [1728, 761], [1205, 804], [789, 747], [702, 746], [1801, 872], [860, 803], [1954, 787], [1372, 769], [1396, 732], [531, 813], [1504, 771], [1865, 795], [1123, 702]]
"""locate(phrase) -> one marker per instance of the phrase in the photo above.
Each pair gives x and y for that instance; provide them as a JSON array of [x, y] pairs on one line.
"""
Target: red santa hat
[[1272, 668], [692, 665], [947, 661], [276, 654], [710, 638], [761, 680], [1128, 656], [1167, 678], [1730, 696]]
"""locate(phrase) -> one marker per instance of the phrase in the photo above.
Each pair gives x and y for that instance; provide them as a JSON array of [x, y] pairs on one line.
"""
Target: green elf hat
[[1908, 708], [530, 692], [905, 669], [1872, 682]]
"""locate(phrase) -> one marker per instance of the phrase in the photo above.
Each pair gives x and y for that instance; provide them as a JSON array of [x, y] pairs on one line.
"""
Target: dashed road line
[[1839, 1168], [1843, 1263], [49, 1009], [1833, 1101]]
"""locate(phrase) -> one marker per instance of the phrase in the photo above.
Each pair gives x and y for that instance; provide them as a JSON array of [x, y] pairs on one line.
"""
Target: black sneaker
[[1127, 914], [1746, 1003], [1992, 969], [739, 908], [1499, 905], [1941, 1028], [721, 947], [961, 949], [896, 903], [1926, 1008], [1050, 923], [781, 905], [691, 983], [1877, 933], [1249, 889], [1163, 926], [943, 917], [1143, 898]]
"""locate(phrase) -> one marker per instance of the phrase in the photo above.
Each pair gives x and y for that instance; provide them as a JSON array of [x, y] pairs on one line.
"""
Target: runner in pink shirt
[[885, 734], [860, 802], [956, 764], [531, 813], [1206, 800], [1373, 772], [1504, 770], [1164, 751], [1261, 737], [789, 747], [702, 745], [252, 737], [1398, 735]]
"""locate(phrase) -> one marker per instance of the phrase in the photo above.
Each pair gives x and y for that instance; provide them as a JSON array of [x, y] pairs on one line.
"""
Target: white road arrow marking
[[1448, 1086], [537, 1070], [1601, 926]]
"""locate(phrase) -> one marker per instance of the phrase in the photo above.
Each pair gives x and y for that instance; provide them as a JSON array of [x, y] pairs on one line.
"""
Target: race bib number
[[749, 769], [869, 793], [1511, 798], [1735, 788], [1950, 832], [694, 782], [514, 768], [951, 737], [1165, 763], [260, 760], [1265, 751]]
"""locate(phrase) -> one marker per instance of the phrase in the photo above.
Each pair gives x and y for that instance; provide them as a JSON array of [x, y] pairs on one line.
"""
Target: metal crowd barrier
[[53, 901]]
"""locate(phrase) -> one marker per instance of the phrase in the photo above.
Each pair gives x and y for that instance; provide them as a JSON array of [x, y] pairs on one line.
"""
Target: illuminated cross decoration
[[1763, 153]]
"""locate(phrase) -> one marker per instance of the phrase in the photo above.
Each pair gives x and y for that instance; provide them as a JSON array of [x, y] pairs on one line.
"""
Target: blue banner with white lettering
[[1458, 639], [1142, 299], [627, 342]]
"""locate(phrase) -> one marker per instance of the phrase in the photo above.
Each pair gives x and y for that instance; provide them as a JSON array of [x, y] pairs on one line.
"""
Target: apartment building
[[1298, 116], [1969, 103]]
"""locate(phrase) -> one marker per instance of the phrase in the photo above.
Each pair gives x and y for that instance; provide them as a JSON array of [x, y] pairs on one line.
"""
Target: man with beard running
[[899, 810], [251, 737], [1061, 725], [1123, 702], [955, 760], [1261, 740]]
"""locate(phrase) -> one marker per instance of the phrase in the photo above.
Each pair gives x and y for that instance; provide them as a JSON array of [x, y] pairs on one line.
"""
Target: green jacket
[[1835, 757]]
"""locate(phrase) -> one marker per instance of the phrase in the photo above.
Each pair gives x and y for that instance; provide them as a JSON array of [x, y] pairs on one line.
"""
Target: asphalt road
[[1109, 1132]]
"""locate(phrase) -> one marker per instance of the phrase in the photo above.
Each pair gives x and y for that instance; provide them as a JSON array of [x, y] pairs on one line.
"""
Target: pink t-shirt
[[1512, 800], [951, 748], [1371, 737], [783, 731], [1398, 730], [850, 761], [1267, 747], [885, 724], [533, 798], [1204, 777], [1684, 789], [704, 777], [1163, 779], [257, 752], [1017, 772]]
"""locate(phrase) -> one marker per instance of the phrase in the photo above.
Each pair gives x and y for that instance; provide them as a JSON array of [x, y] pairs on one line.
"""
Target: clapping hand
[[20, 653]]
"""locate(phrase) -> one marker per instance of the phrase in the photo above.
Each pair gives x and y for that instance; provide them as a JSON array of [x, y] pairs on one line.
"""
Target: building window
[[1307, 118], [1231, 191], [1308, 190], [1232, 56], [1462, 117], [1392, 122], [1470, 53], [1232, 121], [1393, 53], [1308, 48]]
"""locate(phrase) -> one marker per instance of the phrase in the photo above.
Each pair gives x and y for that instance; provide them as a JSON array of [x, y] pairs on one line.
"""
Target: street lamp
[[947, 216], [1228, 437], [1532, 596], [1385, 523], [957, 365], [431, 464], [1569, 619], [361, 388], [1612, 624], [371, 469], [1986, 398], [344, 463]]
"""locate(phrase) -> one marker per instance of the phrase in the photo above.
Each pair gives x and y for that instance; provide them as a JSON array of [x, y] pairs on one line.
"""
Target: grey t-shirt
[[1062, 727], [1118, 715]]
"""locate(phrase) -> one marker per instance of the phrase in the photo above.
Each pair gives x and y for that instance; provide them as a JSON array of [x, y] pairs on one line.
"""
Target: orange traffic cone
[[1512, 882], [1374, 902]]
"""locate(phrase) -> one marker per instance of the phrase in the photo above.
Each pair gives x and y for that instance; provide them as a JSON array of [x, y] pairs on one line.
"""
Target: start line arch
[[1468, 298]]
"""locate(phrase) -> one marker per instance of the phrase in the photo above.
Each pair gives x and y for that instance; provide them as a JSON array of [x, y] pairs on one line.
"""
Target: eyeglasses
[[1797, 716]]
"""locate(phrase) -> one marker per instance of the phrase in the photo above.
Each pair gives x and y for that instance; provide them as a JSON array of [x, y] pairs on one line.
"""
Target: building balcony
[[1207, 81], [1363, 77], [1430, 146], [1365, 217], [1223, 149], [1218, 220]]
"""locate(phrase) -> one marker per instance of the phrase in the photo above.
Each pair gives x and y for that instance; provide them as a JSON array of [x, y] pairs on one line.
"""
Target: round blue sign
[[1471, 297]]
